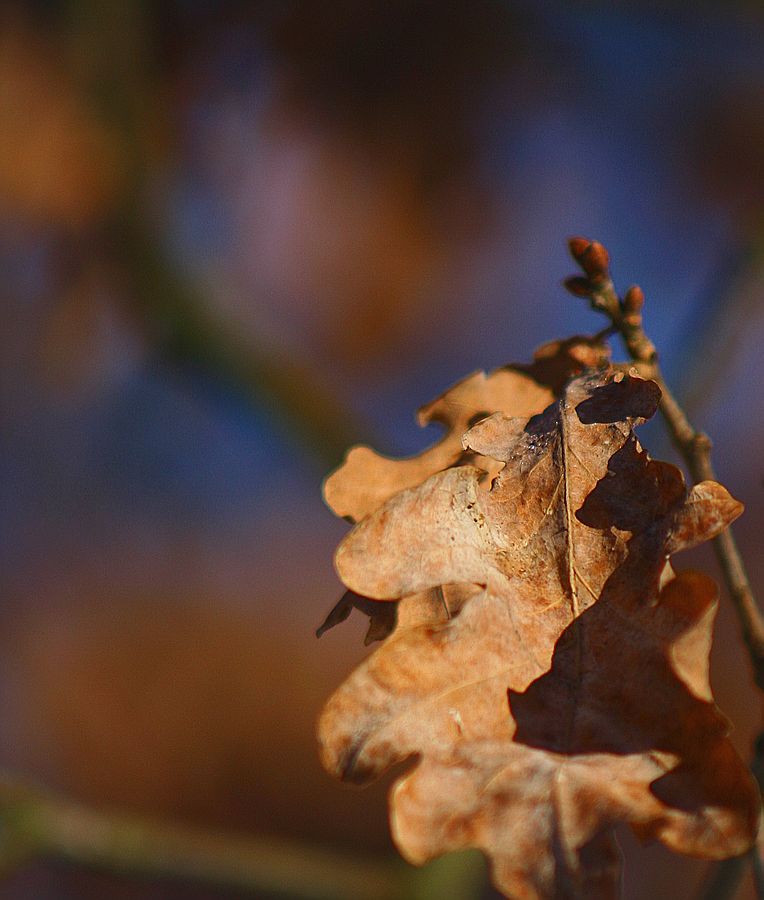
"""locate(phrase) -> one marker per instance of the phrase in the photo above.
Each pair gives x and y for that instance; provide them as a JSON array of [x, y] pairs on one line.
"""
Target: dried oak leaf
[[367, 479], [571, 691]]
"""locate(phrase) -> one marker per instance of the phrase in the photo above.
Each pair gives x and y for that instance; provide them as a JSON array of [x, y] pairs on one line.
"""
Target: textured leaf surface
[[569, 690], [367, 479]]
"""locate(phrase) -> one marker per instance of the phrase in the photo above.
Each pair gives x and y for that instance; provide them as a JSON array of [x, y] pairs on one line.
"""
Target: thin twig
[[625, 315]]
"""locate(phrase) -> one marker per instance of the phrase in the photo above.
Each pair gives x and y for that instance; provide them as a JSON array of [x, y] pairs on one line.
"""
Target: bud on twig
[[578, 246], [578, 286], [595, 261], [591, 256], [633, 300], [632, 303]]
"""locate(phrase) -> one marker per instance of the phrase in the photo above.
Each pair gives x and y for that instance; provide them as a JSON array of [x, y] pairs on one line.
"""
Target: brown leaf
[[382, 616], [437, 605], [367, 479], [570, 692]]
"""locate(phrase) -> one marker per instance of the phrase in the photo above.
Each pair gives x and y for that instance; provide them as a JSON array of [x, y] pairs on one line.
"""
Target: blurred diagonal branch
[[39, 824], [730, 303], [108, 50], [179, 325]]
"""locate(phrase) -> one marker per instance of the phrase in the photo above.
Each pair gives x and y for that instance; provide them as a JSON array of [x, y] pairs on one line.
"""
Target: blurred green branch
[[111, 53], [179, 324], [36, 823]]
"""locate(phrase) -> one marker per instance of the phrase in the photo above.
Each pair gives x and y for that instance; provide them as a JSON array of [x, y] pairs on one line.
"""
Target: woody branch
[[625, 314]]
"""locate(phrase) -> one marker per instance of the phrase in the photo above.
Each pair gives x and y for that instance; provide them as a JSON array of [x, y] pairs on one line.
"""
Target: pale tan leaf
[[570, 690]]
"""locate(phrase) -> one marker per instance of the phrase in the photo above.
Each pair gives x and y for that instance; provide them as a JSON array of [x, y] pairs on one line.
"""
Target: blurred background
[[237, 237]]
